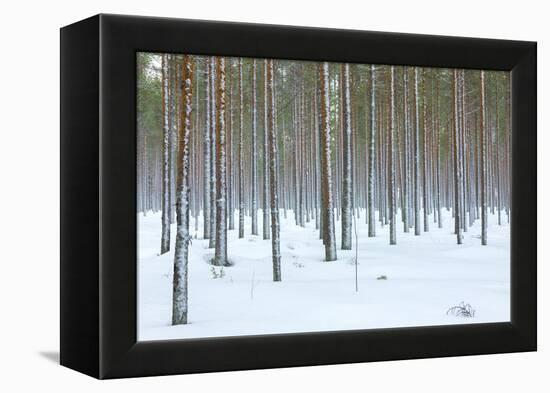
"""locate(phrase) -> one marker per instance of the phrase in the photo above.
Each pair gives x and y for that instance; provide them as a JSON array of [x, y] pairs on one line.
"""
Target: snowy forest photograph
[[282, 196]]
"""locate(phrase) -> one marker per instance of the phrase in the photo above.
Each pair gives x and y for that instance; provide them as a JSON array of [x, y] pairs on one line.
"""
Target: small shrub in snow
[[298, 264], [462, 310], [217, 273], [382, 277]]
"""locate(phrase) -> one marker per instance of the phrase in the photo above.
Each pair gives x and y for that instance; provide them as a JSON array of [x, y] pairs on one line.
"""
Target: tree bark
[[273, 176], [457, 162], [416, 175], [181, 254], [371, 158], [483, 164], [166, 146], [425, 154], [266, 161], [328, 223], [213, 144], [207, 171], [346, 157], [253, 169], [220, 254], [391, 158]]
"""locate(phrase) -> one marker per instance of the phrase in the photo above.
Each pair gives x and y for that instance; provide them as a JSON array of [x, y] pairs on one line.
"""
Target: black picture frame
[[98, 191]]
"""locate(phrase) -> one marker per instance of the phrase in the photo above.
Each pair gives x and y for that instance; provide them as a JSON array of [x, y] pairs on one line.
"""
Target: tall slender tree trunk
[[273, 176], [483, 155], [213, 144], [241, 152], [317, 159], [497, 152], [207, 170], [282, 177], [326, 189], [253, 169], [457, 162], [220, 255], [266, 162], [416, 175], [425, 154], [181, 255], [229, 147], [166, 146], [462, 149], [173, 130], [346, 156], [371, 158], [406, 143], [438, 157], [196, 156], [391, 158]]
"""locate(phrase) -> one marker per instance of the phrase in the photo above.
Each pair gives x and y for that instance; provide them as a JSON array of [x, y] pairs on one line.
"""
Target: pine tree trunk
[[406, 143], [483, 164], [371, 158], [326, 189], [416, 175], [166, 146], [463, 153], [425, 154], [497, 151], [229, 149], [213, 144], [220, 254], [173, 131], [273, 176], [391, 158], [197, 186], [207, 170], [317, 159], [241, 152], [181, 255], [346, 157], [457, 163], [438, 158], [254, 180], [266, 162]]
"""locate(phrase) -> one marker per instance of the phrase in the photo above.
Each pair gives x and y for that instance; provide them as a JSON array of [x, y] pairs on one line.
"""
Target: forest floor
[[425, 276]]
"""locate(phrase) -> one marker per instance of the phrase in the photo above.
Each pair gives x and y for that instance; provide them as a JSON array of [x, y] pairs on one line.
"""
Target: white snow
[[426, 275]]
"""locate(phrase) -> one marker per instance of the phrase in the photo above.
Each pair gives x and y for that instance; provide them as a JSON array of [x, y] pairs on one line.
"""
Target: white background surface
[[29, 219]]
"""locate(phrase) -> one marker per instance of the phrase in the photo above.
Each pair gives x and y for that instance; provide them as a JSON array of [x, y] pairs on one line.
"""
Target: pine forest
[[279, 196]]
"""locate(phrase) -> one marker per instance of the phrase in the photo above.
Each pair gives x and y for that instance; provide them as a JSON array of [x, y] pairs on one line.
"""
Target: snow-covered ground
[[426, 275]]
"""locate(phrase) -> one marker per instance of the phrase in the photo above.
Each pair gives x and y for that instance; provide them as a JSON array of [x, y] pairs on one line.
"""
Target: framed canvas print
[[239, 196]]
